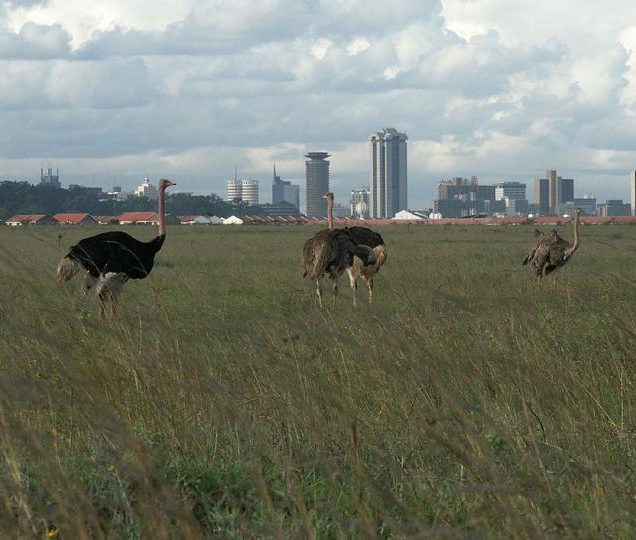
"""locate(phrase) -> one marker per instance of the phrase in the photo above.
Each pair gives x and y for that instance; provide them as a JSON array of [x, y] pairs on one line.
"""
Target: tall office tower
[[554, 192], [542, 195], [632, 186], [561, 191], [317, 177], [285, 192], [388, 180]]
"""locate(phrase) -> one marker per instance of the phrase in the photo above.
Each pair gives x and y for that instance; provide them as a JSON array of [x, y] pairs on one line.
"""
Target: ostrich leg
[[319, 292], [352, 284]]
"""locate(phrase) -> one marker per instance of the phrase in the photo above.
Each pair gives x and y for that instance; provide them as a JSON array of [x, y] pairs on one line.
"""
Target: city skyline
[[154, 90]]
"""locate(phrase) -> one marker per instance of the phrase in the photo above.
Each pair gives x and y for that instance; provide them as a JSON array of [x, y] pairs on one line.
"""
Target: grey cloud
[[35, 41], [228, 27]]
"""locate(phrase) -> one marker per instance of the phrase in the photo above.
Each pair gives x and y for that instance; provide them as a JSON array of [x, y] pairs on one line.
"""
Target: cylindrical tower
[[317, 177], [250, 191], [234, 190]]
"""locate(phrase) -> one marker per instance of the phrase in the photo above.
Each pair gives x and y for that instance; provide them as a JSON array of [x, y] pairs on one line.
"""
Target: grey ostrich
[[331, 252], [552, 251]]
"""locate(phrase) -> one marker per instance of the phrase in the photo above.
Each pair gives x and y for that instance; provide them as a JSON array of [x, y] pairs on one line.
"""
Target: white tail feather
[[67, 269]]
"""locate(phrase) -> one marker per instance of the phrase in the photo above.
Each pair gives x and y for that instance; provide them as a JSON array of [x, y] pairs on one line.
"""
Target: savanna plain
[[222, 401]]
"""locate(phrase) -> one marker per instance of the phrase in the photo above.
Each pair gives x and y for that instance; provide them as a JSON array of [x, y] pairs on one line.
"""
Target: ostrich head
[[328, 196], [578, 211], [164, 183]]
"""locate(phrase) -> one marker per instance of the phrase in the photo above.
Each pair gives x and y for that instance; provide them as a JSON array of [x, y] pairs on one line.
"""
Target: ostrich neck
[[162, 212], [575, 245], [330, 213]]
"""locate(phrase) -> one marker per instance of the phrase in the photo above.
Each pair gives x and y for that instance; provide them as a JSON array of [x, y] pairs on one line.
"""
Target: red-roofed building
[[75, 219], [107, 220], [146, 218], [30, 219], [141, 218]]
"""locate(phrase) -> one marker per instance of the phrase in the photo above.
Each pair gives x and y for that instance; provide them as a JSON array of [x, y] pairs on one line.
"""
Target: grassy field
[[465, 402]]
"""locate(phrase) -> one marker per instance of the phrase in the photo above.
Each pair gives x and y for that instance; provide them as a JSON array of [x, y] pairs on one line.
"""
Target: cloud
[[206, 84], [34, 41]]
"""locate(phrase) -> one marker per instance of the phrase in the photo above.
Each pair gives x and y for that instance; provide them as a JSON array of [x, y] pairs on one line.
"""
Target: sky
[[113, 91]]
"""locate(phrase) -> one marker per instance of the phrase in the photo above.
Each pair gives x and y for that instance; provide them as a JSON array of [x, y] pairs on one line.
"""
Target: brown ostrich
[[328, 252], [552, 251], [333, 251], [370, 253], [110, 259]]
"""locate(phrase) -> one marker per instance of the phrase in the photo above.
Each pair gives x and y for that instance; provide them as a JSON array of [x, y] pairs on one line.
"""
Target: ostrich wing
[[116, 252], [531, 253], [365, 236]]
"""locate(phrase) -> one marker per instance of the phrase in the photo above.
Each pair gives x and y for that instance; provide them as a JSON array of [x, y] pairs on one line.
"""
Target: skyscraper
[[388, 180], [285, 192], [632, 188], [317, 177], [553, 191], [542, 195]]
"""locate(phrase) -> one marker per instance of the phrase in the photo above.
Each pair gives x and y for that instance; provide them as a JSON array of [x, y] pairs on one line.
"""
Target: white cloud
[[483, 87]]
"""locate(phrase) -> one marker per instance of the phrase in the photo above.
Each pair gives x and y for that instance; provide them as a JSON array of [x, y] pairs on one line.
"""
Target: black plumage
[[364, 236], [111, 258], [117, 252]]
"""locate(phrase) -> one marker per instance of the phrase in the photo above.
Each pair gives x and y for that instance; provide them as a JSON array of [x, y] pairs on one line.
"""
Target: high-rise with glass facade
[[388, 179]]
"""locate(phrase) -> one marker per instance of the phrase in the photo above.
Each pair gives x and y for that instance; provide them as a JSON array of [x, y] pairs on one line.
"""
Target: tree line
[[25, 198]]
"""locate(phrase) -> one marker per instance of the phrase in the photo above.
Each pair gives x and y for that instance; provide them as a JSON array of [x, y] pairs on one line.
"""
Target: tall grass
[[465, 401]]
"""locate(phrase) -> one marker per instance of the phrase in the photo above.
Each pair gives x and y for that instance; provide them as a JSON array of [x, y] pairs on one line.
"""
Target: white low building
[[233, 220], [405, 214]]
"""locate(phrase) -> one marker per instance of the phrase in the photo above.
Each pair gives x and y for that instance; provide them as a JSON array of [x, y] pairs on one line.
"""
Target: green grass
[[223, 402]]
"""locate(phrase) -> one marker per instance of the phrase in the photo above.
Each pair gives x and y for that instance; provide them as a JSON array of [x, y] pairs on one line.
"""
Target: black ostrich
[[110, 259], [371, 252], [333, 251]]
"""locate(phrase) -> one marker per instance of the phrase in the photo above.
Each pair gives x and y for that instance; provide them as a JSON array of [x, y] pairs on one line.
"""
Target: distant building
[[75, 219], [146, 189], [632, 189], [317, 179], [279, 209], [285, 192], [234, 190], [553, 191], [512, 196], [360, 202], [50, 179], [614, 208], [30, 219], [459, 197], [86, 190], [250, 192], [388, 178], [245, 191], [541, 196], [117, 194], [587, 204]]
